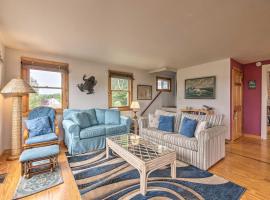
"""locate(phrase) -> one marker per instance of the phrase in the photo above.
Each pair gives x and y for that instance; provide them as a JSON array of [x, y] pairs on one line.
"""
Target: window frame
[[124, 75], [44, 65], [166, 79]]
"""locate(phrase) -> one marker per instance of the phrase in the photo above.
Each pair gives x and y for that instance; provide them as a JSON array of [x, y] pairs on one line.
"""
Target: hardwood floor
[[247, 163]]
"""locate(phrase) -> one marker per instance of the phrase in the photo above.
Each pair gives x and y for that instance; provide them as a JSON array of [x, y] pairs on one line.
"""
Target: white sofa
[[202, 151]]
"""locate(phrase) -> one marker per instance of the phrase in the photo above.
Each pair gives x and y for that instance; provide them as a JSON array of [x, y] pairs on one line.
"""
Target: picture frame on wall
[[200, 88], [144, 92], [252, 84]]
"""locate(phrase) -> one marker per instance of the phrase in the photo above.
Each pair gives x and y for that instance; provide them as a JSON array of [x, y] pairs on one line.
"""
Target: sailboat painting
[[200, 88]]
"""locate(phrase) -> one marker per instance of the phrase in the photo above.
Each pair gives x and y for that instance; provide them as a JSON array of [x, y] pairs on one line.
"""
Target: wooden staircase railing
[[153, 100]]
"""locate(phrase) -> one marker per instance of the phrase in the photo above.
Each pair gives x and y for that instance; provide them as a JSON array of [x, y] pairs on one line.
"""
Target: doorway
[[265, 101], [237, 102]]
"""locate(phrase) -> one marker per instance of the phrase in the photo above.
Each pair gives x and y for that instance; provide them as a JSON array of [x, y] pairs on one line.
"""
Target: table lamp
[[135, 106], [16, 88]]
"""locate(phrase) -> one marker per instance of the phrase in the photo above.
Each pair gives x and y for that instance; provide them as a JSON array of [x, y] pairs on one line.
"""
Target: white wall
[[77, 68], [220, 69], [2, 70]]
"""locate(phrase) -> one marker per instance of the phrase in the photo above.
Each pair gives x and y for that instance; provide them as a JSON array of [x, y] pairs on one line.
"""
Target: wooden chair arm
[[25, 134], [57, 130]]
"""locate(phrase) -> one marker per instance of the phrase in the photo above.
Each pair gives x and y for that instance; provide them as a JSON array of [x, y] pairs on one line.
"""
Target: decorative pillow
[[188, 127], [82, 119], [166, 123], [92, 116], [38, 126], [100, 114], [153, 121], [202, 125], [112, 117]]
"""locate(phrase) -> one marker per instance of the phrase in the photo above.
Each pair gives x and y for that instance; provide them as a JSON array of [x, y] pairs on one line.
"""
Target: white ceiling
[[146, 34]]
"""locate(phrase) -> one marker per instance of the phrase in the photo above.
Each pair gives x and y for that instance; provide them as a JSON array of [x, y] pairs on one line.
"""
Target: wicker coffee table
[[142, 154]]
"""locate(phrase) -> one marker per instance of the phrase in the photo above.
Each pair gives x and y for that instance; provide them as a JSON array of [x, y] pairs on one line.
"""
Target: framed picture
[[252, 84], [200, 88], [144, 92]]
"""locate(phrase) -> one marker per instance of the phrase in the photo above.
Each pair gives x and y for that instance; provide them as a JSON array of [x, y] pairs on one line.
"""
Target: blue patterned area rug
[[113, 178], [38, 183]]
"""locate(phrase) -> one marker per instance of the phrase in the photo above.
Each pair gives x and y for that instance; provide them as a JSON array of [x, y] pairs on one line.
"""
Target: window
[[163, 84], [50, 81], [120, 90]]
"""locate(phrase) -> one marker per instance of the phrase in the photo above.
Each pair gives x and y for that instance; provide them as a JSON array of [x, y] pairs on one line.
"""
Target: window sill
[[121, 108], [58, 112]]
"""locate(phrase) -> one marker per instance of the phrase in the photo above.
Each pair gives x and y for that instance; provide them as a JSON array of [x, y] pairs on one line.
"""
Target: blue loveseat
[[80, 137]]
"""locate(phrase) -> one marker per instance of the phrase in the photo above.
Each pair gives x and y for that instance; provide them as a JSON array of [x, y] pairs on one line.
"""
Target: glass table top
[[140, 147]]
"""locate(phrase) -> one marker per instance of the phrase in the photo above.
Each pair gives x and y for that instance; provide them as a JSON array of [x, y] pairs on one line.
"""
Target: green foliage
[[119, 92], [36, 100], [119, 98]]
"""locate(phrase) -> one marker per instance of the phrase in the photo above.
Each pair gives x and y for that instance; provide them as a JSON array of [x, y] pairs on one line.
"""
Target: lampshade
[[135, 105], [17, 87]]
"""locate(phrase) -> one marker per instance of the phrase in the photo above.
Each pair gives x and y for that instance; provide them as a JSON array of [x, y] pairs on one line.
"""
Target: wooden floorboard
[[247, 163]]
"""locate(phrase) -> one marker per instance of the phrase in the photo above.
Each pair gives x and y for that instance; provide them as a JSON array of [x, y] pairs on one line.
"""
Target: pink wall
[[252, 99]]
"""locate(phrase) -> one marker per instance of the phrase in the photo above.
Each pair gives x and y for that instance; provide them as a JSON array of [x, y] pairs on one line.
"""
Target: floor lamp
[[16, 88]]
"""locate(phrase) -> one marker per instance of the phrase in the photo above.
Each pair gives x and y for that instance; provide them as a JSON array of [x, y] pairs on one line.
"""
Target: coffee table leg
[[173, 169], [143, 182], [107, 150]]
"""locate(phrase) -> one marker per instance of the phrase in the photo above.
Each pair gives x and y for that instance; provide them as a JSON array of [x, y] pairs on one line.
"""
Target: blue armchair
[[44, 138], [80, 139]]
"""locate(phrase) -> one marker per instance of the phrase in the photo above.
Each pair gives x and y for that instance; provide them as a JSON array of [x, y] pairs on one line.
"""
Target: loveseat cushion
[[182, 141], [100, 114], [93, 131], [112, 117], [115, 129], [41, 138]]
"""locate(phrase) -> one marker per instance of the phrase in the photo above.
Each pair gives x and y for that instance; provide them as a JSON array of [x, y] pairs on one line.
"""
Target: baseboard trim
[[252, 136]]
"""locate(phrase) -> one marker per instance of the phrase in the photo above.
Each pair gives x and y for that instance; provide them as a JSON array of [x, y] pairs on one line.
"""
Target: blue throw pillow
[[82, 119], [188, 127], [166, 123], [112, 117], [38, 126]]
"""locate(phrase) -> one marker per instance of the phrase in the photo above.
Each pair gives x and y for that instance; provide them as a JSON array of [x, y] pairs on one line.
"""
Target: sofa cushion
[[153, 120], [213, 120], [69, 112], [39, 152], [188, 127], [93, 131], [115, 129], [166, 123], [112, 117], [100, 113], [82, 119], [92, 116], [154, 133], [38, 126], [182, 141], [41, 138]]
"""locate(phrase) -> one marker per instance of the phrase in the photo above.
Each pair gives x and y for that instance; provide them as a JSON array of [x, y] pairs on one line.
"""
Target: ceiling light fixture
[[258, 64]]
